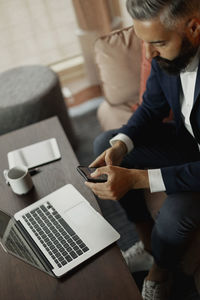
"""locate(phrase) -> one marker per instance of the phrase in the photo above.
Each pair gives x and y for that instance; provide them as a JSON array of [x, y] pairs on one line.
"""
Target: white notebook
[[35, 155]]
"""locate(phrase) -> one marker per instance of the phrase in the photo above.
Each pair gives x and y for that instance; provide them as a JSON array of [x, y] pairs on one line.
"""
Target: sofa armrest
[[111, 117]]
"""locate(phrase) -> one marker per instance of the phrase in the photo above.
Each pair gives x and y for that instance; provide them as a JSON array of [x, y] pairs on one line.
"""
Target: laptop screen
[[4, 220], [15, 243]]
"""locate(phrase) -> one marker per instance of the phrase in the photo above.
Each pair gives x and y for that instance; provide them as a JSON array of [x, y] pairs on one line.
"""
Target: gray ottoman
[[29, 94]]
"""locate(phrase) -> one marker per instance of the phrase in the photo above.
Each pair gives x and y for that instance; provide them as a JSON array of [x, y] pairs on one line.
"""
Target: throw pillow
[[118, 57]]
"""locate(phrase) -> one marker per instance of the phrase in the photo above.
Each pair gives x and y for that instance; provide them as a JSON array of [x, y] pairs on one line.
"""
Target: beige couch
[[123, 71]]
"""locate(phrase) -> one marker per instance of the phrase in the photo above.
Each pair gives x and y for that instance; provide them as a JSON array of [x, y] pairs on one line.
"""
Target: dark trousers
[[180, 214]]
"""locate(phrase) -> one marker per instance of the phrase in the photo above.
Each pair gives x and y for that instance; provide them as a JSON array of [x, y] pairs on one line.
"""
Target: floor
[[80, 97], [74, 98], [79, 91], [183, 287]]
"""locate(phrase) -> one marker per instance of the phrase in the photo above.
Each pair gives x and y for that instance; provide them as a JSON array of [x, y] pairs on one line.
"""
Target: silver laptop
[[57, 233]]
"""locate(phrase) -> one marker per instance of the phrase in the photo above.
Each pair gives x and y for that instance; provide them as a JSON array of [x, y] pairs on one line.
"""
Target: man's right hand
[[111, 156]]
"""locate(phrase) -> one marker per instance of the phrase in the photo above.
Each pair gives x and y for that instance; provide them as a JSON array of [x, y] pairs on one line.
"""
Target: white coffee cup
[[19, 179]]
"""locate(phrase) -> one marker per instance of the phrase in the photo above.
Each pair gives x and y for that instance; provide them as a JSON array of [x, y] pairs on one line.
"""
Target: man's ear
[[193, 30]]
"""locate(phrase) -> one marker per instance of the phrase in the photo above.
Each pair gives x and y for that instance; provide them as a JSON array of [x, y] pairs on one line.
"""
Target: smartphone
[[86, 171]]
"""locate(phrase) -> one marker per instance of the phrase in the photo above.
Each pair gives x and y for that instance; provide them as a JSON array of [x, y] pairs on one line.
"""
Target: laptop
[[56, 233]]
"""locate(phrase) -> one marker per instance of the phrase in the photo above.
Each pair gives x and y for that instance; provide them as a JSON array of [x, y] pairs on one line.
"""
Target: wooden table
[[105, 276]]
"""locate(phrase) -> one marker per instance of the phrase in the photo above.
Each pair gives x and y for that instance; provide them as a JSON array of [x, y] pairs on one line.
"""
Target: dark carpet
[[87, 128]]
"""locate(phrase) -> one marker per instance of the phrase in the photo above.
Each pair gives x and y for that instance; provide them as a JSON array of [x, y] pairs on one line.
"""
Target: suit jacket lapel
[[175, 90], [197, 86]]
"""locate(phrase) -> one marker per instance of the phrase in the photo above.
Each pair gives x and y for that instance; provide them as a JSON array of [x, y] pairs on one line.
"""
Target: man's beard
[[178, 64]]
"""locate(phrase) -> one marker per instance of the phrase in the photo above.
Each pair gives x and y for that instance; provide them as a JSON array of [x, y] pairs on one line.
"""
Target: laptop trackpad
[[81, 214]]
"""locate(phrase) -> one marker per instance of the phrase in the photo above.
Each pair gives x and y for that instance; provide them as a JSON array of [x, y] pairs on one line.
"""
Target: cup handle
[[5, 173]]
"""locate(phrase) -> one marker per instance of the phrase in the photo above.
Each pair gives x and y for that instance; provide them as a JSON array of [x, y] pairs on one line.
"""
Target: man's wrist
[[140, 179], [123, 138], [122, 146]]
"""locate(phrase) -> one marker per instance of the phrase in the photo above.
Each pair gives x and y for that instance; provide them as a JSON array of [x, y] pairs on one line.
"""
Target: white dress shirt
[[188, 80]]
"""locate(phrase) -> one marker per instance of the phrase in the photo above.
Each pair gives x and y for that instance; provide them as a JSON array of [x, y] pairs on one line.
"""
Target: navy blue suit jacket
[[163, 93]]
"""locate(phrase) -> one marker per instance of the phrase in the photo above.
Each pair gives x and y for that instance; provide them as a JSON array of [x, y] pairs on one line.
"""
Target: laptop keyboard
[[56, 236]]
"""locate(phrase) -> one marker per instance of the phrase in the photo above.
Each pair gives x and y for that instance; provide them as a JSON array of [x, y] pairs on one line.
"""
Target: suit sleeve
[[182, 178], [155, 107], [151, 112]]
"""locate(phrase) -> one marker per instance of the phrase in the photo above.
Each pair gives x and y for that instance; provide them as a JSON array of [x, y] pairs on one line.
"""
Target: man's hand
[[111, 156], [120, 181]]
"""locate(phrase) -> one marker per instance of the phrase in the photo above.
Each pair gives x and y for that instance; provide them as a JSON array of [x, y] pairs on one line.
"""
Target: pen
[[34, 171]]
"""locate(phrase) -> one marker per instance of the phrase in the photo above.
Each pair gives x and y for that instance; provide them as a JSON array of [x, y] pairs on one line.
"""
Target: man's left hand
[[119, 182]]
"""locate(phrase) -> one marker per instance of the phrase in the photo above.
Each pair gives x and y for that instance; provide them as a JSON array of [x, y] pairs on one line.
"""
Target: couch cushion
[[111, 117], [118, 57]]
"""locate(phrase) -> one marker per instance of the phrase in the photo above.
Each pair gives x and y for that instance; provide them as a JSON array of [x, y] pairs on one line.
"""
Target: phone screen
[[86, 171]]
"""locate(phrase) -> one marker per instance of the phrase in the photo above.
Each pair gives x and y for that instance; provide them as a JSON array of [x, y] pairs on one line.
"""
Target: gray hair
[[169, 11]]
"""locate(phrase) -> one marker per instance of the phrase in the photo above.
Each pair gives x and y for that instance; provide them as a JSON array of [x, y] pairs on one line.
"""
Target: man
[[147, 153]]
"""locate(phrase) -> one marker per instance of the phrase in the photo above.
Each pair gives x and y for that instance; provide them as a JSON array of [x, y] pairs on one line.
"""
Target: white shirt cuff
[[125, 139], [156, 181]]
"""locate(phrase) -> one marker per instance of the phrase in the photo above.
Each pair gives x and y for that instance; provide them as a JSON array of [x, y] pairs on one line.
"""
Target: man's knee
[[178, 216], [101, 143], [173, 228]]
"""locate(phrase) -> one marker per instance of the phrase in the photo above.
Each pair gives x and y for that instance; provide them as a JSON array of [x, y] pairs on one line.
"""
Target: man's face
[[172, 50]]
